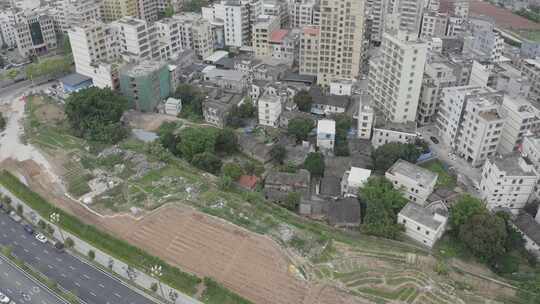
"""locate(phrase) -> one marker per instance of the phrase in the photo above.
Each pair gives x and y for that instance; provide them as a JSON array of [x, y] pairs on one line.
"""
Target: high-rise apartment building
[[341, 40], [520, 120], [304, 13], [115, 9], [395, 77], [147, 10], [237, 24], [262, 31], [434, 24], [8, 33], [437, 75], [36, 33], [309, 51], [73, 12], [137, 38]]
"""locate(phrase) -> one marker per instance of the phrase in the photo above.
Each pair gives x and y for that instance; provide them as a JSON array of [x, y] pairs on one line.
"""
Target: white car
[[4, 298], [40, 237]]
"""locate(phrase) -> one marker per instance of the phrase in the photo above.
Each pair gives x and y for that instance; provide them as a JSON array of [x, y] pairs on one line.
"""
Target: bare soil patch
[[503, 18], [50, 113], [146, 121]]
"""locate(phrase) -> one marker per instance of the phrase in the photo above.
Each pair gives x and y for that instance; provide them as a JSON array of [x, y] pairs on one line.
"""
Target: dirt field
[[503, 18], [147, 121], [252, 265], [49, 113]]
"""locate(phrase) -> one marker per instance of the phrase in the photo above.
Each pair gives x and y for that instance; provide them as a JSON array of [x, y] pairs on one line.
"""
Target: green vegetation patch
[[215, 293], [445, 180]]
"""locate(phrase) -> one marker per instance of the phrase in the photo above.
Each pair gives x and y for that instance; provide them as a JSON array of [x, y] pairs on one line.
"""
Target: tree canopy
[[386, 155], [300, 127], [226, 141], [192, 99], [95, 114], [463, 210], [314, 163], [3, 122], [383, 203], [207, 161], [239, 114], [52, 67], [343, 124], [278, 153], [303, 101], [195, 141], [194, 5], [232, 170], [485, 235]]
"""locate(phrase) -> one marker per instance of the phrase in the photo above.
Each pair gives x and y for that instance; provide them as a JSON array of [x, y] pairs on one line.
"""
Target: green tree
[[300, 127], [232, 170], [386, 155], [383, 203], [95, 113], [247, 108], [66, 45], [169, 12], [52, 67], [343, 124], [194, 5], [314, 163], [207, 161], [463, 210], [196, 140], [485, 236], [91, 255], [303, 101], [69, 242], [226, 141], [3, 122], [278, 153], [225, 183], [192, 99], [238, 114], [157, 150], [168, 137], [292, 200]]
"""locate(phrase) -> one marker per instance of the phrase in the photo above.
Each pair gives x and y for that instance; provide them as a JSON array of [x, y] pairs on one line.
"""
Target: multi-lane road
[[92, 285], [21, 288]]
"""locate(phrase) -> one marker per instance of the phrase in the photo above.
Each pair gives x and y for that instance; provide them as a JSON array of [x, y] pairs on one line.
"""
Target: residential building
[[228, 80], [452, 106], [508, 181], [218, 105], [263, 28], [385, 132], [148, 10], [74, 12], [353, 180], [340, 47], [270, 109], [344, 213], [326, 134], [309, 51], [304, 13], [422, 224], [437, 75], [415, 182], [480, 129], [284, 45], [530, 68], [137, 39], [115, 9], [365, 117], [327, 104], [531, 149], [8, 33], [278, 185], [520, 119], [434, 24], [377, 13], [395, 77], [145, 84], [237, 24], [36, 33], [530, 230], [173, 106], [95, 53]]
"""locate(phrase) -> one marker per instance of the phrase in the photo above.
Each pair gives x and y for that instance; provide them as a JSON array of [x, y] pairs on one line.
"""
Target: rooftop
[[408, 127], [345, 210], [74, 79], [212, 72], [422, 176], [284, 178], [420, 215], [278, 35], [326, 126], [142, 68], [526, 223], [332, 100], [330, 186], [311, 30], [358, 175], [512, 164]]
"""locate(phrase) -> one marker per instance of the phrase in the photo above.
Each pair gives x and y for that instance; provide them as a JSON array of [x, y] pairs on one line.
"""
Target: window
[[418, 228]]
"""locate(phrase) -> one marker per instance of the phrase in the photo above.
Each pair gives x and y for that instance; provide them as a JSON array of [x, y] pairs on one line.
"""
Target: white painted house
[[415, 182], [422, 224], [352, 180], [269, 110], [326, 134]]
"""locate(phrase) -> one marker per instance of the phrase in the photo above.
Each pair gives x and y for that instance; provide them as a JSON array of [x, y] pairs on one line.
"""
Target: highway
[[92, 285], [21, 288]]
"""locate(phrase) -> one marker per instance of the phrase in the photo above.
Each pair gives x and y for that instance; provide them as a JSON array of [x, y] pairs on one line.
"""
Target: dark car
[[59, 246], [28, 229], [434, 139]]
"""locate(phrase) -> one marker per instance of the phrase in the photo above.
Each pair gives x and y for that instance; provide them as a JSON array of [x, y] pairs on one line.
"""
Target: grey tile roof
[[330, 186], [344, 211], [526, 223], [74, 79], [284, 178], [331, 100], [412, 171]]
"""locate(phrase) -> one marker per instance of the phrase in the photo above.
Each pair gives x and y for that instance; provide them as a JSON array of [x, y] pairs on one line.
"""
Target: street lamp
[[55, 218], [156, 272]]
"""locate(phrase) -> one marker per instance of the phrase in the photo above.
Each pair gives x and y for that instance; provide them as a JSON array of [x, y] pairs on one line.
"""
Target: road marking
[[101, 285], [63, 275], [50, 266], [15, 243], [18, 283], [45, 250], [59, 259], [37, 258], [93, 294], [71, 267], [26, 250], [86, 276], [77, 284], [23, 236], [119, 296], [34, 243]]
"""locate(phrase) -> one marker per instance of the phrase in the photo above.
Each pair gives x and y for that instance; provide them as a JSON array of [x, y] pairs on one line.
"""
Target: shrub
[[154, 287], [69, 242], [19, 209], [232, 170], [91, 255]]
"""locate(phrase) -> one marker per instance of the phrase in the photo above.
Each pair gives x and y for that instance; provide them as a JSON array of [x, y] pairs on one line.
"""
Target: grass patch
[[215, 293], [445, 180], [401, 293], [120, 249], [365, 281]]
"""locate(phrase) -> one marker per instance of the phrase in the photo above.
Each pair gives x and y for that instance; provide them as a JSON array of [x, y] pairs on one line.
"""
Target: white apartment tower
[[437, 75], [507, 181], [309, 51], [303, 13], [451, 108], [262, 31], [36, 33], [341, 40], [74, 12], [8, 33], [520, 120], [237, 24], [395, 77], [366, 117], [269, 110]]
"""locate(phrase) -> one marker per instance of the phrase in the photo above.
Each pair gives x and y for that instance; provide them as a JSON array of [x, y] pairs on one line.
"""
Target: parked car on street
[[28, 229], [14, 216], [434, 139], [4, 298], [40, 237]]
